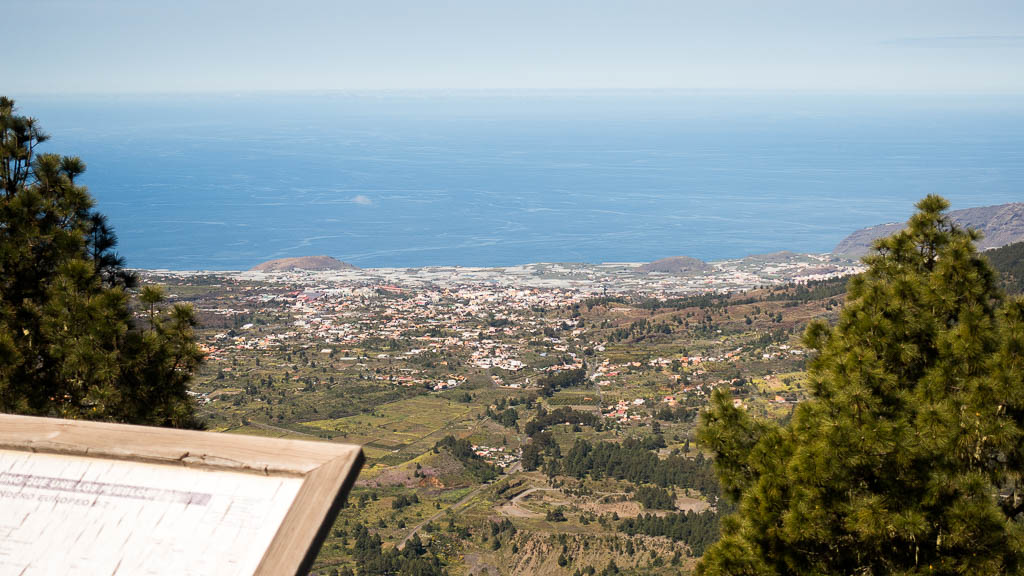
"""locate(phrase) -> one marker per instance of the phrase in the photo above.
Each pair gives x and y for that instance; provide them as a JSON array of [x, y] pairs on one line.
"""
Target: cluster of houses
[[488, 326], [775, 352], [620, 411], [498, 456], [451, 382]]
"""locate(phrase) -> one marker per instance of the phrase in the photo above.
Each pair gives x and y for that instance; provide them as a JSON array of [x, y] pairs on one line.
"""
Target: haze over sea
[[490, 179]]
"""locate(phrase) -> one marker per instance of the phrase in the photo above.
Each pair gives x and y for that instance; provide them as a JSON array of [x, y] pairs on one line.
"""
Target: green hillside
[[1009, 262]]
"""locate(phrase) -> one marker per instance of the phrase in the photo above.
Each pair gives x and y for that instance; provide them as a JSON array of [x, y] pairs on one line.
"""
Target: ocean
[[224, 182]]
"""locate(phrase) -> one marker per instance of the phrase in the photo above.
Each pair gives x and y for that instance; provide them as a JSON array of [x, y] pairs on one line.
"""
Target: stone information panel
[[118, 517], [73, 508]]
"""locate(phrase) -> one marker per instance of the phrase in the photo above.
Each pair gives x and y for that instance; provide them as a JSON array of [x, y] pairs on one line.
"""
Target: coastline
[[720, 276]]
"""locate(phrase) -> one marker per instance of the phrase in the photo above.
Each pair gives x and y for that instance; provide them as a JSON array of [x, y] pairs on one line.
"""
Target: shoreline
[[615, 277]]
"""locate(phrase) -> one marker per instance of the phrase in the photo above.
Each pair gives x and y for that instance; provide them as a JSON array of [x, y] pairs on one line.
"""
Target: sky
[[149, 46]]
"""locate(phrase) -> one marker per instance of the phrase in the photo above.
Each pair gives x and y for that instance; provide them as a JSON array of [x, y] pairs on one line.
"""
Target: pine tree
[[69, 345], [907, 458]]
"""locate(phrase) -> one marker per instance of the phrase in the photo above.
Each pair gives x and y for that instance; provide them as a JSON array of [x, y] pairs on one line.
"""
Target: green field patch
[[453, 496], [224, 392], [399, 430], [588, 398], [786, 382], [249, 430], [375, 454]]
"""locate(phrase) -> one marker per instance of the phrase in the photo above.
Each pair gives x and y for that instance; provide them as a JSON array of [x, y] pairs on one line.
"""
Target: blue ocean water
[[491, 179]]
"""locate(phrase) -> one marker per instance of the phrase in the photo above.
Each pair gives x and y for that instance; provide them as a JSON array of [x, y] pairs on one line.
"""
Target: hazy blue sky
[[216, 45]]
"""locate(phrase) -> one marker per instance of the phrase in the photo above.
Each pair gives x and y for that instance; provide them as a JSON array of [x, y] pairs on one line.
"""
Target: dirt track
[[515, 510]]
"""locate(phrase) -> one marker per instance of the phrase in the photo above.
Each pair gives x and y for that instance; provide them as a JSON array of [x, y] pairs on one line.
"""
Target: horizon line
[[494, 91]]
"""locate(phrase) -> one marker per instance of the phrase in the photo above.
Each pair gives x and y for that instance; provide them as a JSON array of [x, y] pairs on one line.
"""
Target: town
[[468, 387]]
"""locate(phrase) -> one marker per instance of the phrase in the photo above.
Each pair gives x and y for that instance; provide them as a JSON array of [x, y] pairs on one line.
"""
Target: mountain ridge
[[1001, 224]]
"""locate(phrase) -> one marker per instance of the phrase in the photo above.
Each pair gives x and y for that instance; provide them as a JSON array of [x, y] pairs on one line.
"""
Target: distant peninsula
[[311, 263], [1002, 224]]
